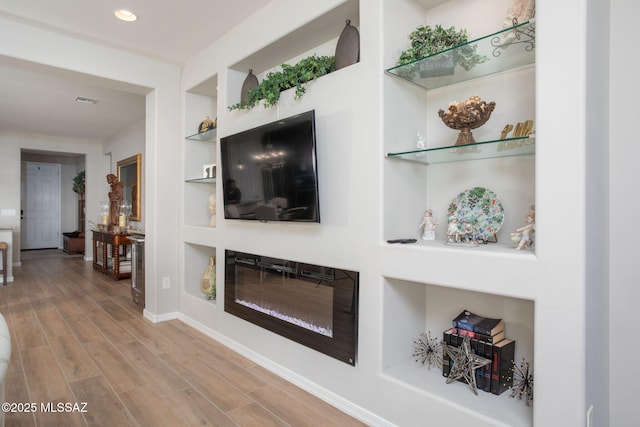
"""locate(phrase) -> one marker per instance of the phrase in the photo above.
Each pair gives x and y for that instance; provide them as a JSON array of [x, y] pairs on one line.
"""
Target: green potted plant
[[426, 41], [78, 183], [291, 76]]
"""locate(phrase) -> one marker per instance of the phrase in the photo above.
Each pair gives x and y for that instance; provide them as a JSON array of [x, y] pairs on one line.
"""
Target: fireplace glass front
[[313, 305]]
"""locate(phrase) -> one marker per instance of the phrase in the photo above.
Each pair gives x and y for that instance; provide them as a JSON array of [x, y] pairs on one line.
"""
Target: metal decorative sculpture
[[522, 387], [428, 350], [465, 363]]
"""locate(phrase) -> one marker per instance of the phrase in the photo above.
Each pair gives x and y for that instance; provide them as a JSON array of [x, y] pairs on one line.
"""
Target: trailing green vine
[[291, 76]]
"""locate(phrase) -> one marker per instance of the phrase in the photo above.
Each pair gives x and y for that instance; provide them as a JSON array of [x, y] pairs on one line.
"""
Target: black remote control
[[402, 241]]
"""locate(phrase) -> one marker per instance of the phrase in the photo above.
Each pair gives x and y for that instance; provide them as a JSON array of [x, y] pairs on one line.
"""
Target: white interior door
[[41, 216]]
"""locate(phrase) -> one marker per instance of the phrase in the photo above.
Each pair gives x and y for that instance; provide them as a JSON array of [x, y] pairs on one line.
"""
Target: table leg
[[116, 261], [105, 261]]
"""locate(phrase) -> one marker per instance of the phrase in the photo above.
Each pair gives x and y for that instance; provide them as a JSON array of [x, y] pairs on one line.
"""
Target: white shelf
[[431, 383], [202, 235], [200, 296], [492, 268]]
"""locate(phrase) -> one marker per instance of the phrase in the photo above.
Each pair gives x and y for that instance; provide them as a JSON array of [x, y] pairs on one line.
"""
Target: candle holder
[[103, 220], [125, 211]]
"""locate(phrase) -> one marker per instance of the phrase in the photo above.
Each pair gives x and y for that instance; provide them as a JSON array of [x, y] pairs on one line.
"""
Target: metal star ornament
[[428, 350], [523, 382], [465, 363]]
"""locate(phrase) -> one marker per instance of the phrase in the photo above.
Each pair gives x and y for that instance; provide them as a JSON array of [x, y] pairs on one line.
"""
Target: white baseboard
[[157, 318]]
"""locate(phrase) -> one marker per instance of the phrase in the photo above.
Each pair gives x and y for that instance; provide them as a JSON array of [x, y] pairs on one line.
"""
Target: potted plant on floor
[[78, 184]]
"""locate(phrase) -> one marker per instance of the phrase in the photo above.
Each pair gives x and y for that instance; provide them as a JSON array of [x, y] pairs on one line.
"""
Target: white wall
[[624, 152], [10, 166], [160, 82], [126, 143]]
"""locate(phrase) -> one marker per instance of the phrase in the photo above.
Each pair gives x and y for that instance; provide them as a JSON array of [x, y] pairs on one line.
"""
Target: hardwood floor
[[77, 337]]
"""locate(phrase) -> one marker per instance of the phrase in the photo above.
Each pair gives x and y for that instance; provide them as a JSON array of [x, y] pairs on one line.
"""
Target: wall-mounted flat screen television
[[270, 173]]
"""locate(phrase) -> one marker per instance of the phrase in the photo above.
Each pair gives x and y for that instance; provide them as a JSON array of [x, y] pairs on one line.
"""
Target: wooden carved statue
[[115, 198]]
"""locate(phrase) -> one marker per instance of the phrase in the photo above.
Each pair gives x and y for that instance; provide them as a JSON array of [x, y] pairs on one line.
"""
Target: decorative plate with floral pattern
[[481, 208]]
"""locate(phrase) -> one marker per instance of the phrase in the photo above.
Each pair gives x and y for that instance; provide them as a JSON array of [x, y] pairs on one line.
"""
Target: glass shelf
[[202, 180], [504, 50], [208, 136], [519, 146]]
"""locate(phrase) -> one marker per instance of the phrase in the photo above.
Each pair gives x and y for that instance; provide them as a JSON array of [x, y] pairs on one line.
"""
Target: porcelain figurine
[[524, 235], [453, 233], [212, 210], [467, 232], [428, 226]]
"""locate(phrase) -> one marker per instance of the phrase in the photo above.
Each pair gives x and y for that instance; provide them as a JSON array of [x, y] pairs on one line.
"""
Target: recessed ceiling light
[[125, 15]]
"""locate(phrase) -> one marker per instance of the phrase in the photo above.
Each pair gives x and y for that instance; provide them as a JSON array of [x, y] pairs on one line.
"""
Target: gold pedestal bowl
[[465, 116]]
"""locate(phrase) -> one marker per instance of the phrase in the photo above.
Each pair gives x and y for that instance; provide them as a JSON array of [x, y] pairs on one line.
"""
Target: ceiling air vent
[[85, 100]]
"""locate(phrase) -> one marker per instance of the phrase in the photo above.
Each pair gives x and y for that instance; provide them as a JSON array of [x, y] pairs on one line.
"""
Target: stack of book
[[487, 339]]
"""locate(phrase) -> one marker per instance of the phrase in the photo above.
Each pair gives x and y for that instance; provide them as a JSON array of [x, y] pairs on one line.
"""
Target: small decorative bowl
[[467, 115]]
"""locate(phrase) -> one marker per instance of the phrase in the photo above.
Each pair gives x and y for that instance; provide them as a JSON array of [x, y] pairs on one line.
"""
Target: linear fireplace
[[313, 305]]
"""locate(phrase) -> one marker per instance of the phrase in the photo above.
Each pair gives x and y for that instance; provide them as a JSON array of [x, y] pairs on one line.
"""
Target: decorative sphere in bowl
[[466, 115]]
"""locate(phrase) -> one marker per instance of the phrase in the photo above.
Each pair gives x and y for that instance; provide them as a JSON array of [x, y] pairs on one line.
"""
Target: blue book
[[479, 324]]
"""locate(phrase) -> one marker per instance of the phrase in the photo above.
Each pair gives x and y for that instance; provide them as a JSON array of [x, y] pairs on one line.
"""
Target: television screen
[[269, 172]]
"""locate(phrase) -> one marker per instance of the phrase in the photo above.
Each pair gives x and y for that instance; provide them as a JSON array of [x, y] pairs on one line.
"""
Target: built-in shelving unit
[[317, 35], [428, 283], [375, 187], [200, 151]]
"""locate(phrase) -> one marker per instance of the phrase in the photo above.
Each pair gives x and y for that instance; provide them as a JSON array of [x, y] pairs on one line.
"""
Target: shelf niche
[[198, 257], [200, 149], [417, 308], [318, 36], [507, 166]]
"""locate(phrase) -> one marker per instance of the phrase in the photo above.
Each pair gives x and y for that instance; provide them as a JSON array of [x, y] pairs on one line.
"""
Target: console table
[[116, 245]]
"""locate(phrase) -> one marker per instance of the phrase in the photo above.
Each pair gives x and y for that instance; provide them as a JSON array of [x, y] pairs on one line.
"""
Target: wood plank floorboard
[[78, 337]]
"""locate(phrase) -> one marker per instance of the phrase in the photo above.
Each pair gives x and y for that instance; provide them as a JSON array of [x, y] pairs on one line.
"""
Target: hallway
[[78, 338]]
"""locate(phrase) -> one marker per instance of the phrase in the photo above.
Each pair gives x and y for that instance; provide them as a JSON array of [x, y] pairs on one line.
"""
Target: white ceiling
[[40, 100]]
